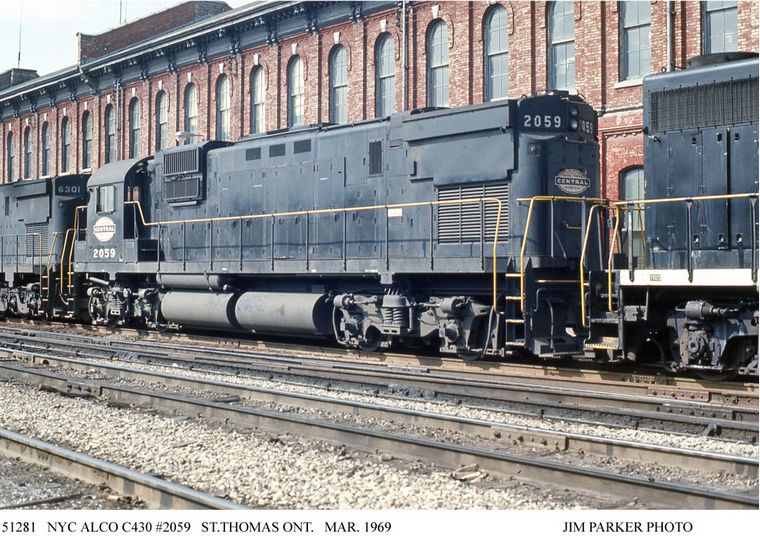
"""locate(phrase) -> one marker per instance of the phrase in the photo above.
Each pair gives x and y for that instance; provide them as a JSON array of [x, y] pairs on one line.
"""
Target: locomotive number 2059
[[103, 253], [542, 121]]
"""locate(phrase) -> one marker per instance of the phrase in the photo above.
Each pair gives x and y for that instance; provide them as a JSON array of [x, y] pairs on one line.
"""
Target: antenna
[[18, 64]]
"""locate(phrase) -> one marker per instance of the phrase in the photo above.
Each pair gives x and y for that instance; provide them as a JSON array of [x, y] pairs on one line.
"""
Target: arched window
[[338, 85], [134, 128], [65, 144], [191, 111], [110, 135], [45, 135], [496, 61], [561, 45], [719, 26], [9, 156], [257, 99], [385, 76], [438, 64], [27, 153], [86, 140], [634, 40], [632, 187], [222, 108], [162, 121], [295, 91]]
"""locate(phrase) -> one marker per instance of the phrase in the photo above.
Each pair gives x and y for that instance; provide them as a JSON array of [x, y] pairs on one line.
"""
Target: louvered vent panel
[[459, 223], [723, 103], [181, 162], [36, 239]]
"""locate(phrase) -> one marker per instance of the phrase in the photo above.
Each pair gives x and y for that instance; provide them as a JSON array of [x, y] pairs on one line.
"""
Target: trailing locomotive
[[685, 291], [460, 229]]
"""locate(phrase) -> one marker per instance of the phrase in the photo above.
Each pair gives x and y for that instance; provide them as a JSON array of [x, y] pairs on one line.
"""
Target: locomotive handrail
[[752, 197], [609, 259], [75, 231], [346, 210], [533, 200], [34, 254]]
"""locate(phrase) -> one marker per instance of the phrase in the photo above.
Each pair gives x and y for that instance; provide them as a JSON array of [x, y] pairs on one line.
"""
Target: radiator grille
[[180, 162], [182, 189], [458, 223], [722, 103], [36, 244]]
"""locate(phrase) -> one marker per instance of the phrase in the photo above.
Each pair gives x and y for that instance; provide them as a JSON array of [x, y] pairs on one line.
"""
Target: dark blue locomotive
[[34, 221], [686, 294], [459, 229]]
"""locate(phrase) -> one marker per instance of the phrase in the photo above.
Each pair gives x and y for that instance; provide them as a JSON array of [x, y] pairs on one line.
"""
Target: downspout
[[403, 56], [669, 33]]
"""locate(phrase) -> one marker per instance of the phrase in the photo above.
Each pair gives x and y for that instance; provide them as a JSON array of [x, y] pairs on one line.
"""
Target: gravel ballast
[[260, 469], [452, 407]]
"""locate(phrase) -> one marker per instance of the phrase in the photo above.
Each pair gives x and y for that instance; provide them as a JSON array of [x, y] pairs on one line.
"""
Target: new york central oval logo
[[104, 229], [572, 181]]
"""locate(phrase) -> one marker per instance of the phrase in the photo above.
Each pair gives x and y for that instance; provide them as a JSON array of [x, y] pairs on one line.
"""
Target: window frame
[[86, 140], [107, 204], [109, 135], [45, 149], [638, 223], [9, 156], [223, 108], [27, 173], [338, 83], [553, 45], [624, 68], [190, 122], [258, 100], [162, 121], [706, 12], [489, 54], [65, 144], [296, 115], [385, 81], [441, 69], [135, 113]]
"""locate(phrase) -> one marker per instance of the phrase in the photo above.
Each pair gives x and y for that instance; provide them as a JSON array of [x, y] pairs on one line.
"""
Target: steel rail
[[730, 394], [653, 421], [534, 436], [696, 416], [656, 493], [733, 393], [154, 491]]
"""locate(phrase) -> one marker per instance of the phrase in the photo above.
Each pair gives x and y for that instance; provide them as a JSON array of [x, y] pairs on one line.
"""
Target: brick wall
[[597, 75], [95, 46]]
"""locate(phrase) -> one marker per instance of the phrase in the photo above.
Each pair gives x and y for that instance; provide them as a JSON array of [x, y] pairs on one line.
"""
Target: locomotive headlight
[[573, 111], [574, 124]]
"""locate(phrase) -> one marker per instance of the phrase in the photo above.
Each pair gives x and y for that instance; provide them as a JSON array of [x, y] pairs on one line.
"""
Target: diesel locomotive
[[459, 229], [477, 231], [683, 291]]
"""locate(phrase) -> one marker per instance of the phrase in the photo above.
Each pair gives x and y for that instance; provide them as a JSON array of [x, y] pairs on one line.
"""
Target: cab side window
[[106, 198]]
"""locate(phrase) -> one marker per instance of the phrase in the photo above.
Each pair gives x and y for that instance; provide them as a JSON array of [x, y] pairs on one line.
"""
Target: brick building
[[214, 72]]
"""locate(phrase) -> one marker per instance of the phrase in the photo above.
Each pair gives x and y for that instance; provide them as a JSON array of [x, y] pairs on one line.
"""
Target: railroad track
[[535, 398], [154, 491], [404, 446], [645, 382]]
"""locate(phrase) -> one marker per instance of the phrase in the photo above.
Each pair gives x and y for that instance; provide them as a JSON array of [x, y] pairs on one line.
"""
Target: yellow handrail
[[685, 199], [345, 210], [583, 260], [524, 244], [75, 230], [611, 257]]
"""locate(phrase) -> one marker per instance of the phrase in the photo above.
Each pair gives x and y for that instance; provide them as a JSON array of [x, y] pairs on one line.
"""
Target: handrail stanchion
[[689, 262]]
